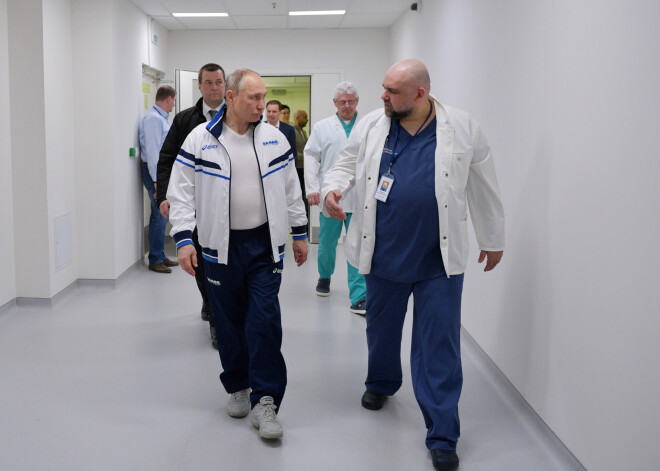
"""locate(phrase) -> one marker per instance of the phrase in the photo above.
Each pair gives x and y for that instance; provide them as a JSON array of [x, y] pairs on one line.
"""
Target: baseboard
[[71, 289], [560, 451]]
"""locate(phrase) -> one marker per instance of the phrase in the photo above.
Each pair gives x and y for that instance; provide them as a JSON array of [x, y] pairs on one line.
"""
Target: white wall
[[70, 73], [111, 44], [58, 113], [94, 118], [7, 275], [130, 48], [28, 148], [361, 54], [567, 93]]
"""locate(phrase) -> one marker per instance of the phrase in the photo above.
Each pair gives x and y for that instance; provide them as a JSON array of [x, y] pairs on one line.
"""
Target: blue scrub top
[[407, 225]]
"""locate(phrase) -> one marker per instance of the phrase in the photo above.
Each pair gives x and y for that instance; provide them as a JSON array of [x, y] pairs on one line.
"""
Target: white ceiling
[[268, 14]]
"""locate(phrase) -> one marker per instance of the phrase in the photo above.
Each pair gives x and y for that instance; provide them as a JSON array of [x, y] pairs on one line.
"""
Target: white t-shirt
[[247, 208]]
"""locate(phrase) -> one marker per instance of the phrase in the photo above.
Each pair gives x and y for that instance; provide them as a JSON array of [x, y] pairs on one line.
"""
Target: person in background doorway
[[299, 123], [211, 84], [243, 227], [285, 114], [410, 237], [327, 139], [153, 129], [273, 117]]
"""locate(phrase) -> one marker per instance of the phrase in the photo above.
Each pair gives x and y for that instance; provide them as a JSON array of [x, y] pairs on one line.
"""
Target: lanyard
[[395, 156]]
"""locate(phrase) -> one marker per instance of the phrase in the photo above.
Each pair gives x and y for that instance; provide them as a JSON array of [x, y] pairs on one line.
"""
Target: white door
[[187, 91]]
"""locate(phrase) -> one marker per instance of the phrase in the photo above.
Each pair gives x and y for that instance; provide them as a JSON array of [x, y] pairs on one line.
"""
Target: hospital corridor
[[112, 376]]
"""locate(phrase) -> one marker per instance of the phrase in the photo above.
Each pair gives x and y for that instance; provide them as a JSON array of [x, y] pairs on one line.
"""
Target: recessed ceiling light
[[326, 12], [193, 15]]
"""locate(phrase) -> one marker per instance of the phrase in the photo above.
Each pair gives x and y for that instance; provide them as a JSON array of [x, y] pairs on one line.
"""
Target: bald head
[[413, 72], [407, 85], [300, 118]]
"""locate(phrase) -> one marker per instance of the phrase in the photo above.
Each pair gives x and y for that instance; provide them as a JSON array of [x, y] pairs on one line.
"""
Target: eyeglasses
[[344, 102]]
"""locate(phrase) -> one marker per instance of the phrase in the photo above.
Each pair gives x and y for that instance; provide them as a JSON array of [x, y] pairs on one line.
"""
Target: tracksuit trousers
[[435, 356], [330, 230], [246, 311]]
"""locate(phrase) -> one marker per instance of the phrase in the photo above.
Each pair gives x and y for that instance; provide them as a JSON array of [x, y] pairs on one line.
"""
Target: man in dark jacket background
[[211, 83]]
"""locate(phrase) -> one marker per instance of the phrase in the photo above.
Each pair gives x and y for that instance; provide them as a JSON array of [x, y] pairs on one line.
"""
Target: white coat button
[[446, 174], [444, 238]]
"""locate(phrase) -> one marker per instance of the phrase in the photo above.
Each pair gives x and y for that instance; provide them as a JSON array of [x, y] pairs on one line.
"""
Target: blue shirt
[[407, 225], [153, 130]]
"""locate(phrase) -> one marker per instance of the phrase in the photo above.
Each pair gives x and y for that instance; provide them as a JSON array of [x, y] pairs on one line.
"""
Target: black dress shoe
[[206, 311], [373, 400], [444, 459]]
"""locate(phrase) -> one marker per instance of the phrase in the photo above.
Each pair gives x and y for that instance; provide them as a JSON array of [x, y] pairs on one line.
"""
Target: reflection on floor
[[122, 376]]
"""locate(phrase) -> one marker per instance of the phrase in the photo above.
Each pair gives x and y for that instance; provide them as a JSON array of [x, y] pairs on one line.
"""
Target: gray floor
[[122, 377]]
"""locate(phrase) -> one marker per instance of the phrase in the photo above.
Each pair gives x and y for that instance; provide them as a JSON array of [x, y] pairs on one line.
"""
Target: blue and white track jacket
[[199, 189]]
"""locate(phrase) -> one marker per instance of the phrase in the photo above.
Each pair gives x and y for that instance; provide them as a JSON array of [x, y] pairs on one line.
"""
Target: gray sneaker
[[238, 404], [264, 418]]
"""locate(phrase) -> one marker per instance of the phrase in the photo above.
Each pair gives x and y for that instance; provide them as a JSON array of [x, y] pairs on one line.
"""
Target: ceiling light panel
[[208, 23], [208, 6], [200, 15], [305, 22], [304, 5], [317, 12]]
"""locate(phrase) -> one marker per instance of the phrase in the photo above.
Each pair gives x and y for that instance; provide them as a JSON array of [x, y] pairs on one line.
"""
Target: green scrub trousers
[[328, 238]]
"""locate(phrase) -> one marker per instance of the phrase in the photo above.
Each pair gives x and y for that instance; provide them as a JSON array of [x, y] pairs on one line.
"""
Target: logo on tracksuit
[[210, 146], [271, 143], [213, 282]]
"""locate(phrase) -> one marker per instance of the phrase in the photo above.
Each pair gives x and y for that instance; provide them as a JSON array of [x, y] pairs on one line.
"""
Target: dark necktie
[[212, 113]]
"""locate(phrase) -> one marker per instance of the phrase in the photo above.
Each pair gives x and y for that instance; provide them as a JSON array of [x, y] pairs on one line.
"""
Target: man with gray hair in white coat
[[325, 142]]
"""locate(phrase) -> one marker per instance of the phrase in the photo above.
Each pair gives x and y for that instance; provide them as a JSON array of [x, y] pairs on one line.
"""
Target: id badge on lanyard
[[387, 179], [384, 187]]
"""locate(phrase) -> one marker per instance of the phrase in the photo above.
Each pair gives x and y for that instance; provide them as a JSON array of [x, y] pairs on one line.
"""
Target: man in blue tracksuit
[[416, 166], [235, 180]]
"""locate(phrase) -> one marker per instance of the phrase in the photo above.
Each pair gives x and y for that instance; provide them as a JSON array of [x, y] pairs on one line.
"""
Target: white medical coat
[[464, 176], [322, 150]]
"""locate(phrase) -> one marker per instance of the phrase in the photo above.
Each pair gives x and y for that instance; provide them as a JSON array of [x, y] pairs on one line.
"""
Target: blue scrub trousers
[[330, 230], [435, 356], [246, 312]]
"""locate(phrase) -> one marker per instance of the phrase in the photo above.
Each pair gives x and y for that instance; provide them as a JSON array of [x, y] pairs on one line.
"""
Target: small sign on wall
[[154, 38]]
